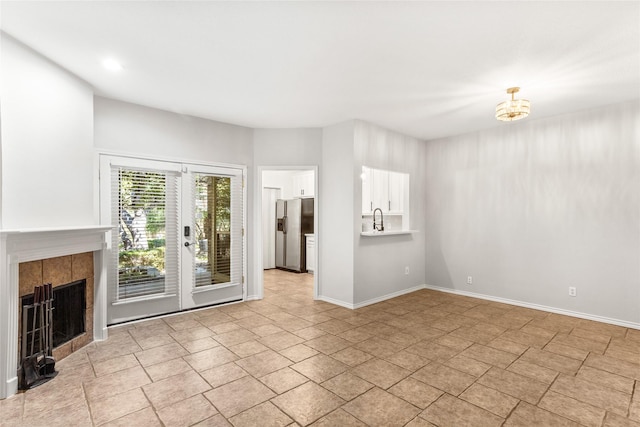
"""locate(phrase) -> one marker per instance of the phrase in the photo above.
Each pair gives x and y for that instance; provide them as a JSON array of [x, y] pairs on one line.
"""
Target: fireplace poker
[[50, 321], [30, 364], [36, 301], [41, 329], [47, 365], [45, 325]]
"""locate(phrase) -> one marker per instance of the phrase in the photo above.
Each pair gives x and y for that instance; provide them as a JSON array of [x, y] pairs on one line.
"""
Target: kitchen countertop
[[387, 233]]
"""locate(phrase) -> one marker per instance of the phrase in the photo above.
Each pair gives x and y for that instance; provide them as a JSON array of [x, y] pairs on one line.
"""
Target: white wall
[[47, 133], [129, 128], [287, 147], [379, 262], [336, 228], [531, 208], [282, 179]]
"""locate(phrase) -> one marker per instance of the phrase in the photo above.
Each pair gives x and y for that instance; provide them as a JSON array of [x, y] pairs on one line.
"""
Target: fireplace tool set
[[38, 364]]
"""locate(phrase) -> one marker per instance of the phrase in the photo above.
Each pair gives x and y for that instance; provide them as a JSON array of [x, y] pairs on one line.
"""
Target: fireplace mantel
[[17, 246]]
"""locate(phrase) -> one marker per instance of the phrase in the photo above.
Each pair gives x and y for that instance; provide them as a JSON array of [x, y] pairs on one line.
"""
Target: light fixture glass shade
[[514, 109]]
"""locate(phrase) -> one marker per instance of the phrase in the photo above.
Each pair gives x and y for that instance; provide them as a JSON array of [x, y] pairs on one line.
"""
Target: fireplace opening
[[69, 305]]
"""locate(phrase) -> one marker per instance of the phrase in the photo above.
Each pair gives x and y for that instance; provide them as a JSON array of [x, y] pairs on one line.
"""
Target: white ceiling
[[426, 69]]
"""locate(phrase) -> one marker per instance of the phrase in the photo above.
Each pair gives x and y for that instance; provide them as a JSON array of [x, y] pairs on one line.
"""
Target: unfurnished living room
[[327, 213]]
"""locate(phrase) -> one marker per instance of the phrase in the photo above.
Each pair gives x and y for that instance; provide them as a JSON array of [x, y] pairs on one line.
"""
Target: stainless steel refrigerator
[[294, 219]]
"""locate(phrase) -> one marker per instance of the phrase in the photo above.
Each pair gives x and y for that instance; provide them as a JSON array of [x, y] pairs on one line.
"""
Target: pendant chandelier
[[514, 109]]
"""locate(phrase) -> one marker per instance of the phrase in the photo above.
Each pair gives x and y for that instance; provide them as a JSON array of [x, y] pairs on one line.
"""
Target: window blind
[[145, 213], [217, 213]]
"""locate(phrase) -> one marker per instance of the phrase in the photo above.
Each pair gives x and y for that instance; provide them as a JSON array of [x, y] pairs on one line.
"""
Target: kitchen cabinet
[[396, 192], [303, 184], [380, 189], [383, 189], [367, 191], [311, 253]]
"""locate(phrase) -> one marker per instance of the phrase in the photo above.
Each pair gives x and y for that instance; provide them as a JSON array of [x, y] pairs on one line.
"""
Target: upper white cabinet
[[396, 191], [385, 190], [303, 184], [380, 190], [367, 191]]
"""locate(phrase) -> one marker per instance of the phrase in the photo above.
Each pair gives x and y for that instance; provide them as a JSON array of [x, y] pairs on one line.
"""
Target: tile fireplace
[[62, 272], [30, 258]]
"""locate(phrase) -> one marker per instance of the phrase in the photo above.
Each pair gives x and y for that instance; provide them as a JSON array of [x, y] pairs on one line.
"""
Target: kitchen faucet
[[381, 220]]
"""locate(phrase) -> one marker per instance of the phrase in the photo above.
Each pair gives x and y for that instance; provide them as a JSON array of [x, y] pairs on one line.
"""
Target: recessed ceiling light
[[111, 64]]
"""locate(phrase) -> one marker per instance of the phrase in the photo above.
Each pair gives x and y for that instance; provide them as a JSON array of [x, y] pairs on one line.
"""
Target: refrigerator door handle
[[286, 223]]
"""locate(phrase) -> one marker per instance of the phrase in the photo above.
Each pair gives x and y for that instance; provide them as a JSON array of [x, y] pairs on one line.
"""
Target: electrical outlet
[[572, 291], [406, 270], [469, 280]]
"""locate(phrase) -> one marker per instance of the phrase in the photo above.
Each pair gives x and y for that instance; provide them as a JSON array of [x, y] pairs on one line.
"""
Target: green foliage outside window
[[142, 221]]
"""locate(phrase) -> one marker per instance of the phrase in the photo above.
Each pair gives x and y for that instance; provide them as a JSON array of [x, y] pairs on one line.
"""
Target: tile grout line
[[382, 319], [86, 399]]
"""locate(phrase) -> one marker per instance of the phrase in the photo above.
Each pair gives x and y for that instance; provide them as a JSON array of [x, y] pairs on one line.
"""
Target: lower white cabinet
[[311, 252]]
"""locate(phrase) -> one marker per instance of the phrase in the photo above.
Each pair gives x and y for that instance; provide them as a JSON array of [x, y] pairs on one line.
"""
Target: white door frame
[[103, 158], [258, 272]]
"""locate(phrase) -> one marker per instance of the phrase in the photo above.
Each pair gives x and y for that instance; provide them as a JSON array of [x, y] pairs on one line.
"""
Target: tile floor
[[426, 358]]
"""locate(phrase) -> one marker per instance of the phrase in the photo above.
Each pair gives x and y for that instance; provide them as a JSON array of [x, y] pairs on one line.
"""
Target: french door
[[178, 239]]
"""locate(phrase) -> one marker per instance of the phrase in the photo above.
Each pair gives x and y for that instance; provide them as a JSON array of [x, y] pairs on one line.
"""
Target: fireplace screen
[[69, 305]]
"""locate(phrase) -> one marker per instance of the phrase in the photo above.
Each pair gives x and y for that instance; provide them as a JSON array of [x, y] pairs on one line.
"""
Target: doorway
[[287, 193], [178, 236]]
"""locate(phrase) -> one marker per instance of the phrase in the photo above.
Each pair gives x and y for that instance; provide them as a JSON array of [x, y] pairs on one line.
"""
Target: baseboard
[[335, 302], [371, 301], [10, 387], [253, 297], [102, 336], [570, 313], [388, 296]]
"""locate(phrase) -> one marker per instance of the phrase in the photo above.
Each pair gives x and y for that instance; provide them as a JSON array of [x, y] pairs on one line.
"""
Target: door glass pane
[[141, 227], [212, 229]]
